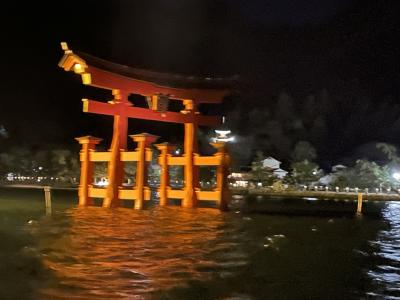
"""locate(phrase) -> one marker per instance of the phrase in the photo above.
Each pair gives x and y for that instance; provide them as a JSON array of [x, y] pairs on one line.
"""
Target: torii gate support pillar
[[189, 200], [143, 140], [222, 174], [88, 145], [165, 150]]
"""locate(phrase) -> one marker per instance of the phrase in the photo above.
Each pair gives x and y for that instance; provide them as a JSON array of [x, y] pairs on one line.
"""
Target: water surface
[[175, 253]]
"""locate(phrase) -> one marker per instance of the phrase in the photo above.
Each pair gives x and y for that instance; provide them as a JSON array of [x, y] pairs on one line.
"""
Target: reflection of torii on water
[[158, 88]]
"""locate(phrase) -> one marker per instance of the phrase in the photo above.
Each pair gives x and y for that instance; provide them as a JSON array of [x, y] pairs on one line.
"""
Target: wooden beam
[[97, 192], [129, 156], [175, 160], [206, 160], [111, 81], [208, 195], [96, 107], [99, 156], [175, 194]]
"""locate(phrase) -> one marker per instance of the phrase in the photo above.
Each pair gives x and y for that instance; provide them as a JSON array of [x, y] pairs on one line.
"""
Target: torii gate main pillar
[[88, 145], [143, 141], [189, 199], [164, 149]]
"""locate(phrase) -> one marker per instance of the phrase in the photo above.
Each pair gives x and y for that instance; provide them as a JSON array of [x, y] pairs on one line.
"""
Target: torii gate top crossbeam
[[101, 73], [124, 110]]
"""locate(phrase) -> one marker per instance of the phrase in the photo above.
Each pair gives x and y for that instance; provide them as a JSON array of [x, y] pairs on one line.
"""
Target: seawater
[[175, 253]]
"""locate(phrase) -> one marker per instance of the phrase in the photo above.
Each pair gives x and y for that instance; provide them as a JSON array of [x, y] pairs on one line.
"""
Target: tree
[[18, 160], [284, 109], [64, 164], [303, 150], [365, 174], [369, 174], [390, 151], [176, 176], [305, 172], [6, 163], [100, 169]]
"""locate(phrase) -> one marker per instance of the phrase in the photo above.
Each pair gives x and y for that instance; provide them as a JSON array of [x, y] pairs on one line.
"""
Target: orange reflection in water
[[122, 253]]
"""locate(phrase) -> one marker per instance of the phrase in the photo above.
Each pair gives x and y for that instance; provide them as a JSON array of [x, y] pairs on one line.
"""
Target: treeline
[[26, 162], [337, 126], [362, 174]]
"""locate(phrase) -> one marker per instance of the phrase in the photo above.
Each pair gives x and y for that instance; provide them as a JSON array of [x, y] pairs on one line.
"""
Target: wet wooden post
[[115, 174], [165, 149], [143, 140], [222, 174], [47, 199], [88, 145], [119, 142], [359, 203], [189, 200]]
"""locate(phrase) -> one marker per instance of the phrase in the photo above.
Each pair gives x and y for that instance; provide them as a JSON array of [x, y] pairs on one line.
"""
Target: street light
[[396, 175], [223, 134]]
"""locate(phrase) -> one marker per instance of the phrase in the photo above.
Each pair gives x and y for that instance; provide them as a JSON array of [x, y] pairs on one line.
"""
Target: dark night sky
[[348, 48]]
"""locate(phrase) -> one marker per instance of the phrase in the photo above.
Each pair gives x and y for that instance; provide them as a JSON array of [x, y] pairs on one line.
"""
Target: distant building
[[329, 179], [239, 179], [275, 166], [243, 177], [337, 168], [271, 163], [280, 173]]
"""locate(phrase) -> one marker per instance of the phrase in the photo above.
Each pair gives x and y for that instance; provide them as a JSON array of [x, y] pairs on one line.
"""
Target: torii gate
[[123, 81]]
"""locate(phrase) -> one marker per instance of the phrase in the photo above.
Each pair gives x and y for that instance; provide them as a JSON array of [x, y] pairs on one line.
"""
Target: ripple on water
[[386, 274], [120, 252]]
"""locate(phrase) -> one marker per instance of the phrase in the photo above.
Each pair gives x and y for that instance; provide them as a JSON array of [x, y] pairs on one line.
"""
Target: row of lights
[[30, 178], [12, 177], [346, 189]]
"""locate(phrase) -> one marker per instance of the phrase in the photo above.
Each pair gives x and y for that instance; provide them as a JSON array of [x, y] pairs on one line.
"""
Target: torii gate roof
[[173, 80], [111, 75]]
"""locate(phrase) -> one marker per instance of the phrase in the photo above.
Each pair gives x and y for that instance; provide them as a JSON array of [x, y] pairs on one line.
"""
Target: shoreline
[[316, 194], [256, 192], [37, 187]]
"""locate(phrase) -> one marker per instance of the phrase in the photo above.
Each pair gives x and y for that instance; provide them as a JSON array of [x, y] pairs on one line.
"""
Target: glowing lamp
[[78, 68], [223, 134], [396, 175]]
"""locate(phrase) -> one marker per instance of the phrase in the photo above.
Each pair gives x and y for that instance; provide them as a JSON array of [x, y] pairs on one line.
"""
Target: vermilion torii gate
[[123, 81]]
